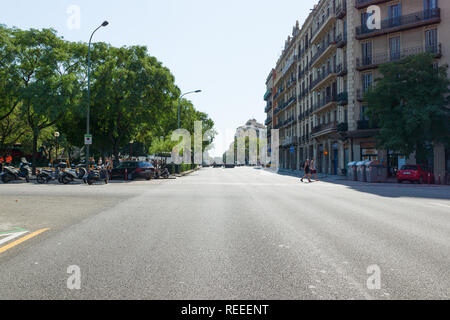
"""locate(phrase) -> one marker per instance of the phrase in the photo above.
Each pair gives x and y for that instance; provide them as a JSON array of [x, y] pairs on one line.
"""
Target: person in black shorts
[[307, 169]]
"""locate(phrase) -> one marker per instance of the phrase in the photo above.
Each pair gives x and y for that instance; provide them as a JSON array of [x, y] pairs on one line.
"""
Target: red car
[[415, 173]]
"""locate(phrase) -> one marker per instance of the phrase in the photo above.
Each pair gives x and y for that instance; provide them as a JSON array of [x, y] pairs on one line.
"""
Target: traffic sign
[[88, 139]]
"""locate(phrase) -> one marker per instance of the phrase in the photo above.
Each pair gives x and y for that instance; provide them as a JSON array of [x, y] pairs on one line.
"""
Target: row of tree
[[43, 89]]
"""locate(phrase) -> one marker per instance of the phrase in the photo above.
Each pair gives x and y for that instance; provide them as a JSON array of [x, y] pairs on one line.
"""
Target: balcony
[[341, 10], [290, 83], [287, 141], [325, 103], [341, 69], [323, 51], [341, 40], [319, 28], [366, 63], [322, 129], [268, 107], [342, 98], [289, 64], [389, 25], [360, 4], [323, 78], [268, 121], [267, 95]]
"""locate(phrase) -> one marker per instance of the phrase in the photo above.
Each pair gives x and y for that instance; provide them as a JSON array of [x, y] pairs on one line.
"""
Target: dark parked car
[[135, 169]]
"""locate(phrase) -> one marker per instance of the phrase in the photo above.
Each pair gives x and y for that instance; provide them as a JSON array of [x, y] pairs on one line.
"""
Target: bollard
[[439, 180], [429, 178], [126, 174]]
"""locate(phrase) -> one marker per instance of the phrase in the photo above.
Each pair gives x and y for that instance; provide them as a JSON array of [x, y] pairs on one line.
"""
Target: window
[[394, 48], [367, 53], [431, 44], [395, 13], [429, 4], [367, 81], [362, 113]]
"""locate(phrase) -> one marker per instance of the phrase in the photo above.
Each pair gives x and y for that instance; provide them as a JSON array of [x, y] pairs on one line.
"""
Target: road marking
[[440, 205], [15, 230], [11, 236], [21, 240]]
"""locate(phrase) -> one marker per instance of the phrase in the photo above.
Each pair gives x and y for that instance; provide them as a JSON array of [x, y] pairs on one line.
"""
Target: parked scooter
[[10, 173], [70, 175], [162, 173], [96, 175], [45, 176]]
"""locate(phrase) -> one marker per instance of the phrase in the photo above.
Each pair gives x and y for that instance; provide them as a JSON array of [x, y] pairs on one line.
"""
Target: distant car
[[135, 169], [217, 165], [230, 166], [414, 173]]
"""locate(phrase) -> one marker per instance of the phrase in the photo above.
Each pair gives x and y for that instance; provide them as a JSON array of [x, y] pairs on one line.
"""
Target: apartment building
[[268, 97], [337, 56]]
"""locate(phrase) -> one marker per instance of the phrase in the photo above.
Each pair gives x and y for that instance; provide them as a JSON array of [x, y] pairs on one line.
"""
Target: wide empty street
[[241, 233]]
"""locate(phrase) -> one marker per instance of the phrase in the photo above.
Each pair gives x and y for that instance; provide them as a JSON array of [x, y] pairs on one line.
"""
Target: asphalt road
[[227, 234]]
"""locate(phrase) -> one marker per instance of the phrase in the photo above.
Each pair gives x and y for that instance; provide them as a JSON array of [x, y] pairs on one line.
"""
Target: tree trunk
[[35, 141]]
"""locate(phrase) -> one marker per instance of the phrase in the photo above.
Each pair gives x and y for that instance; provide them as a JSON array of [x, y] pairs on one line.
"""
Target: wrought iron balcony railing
[[409, 20]]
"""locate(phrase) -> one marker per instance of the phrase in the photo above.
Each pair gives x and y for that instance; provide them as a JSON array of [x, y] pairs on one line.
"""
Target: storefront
[[369, 151]]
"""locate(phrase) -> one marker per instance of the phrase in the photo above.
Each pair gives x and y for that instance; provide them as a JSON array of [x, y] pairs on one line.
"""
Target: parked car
[[230, 166], [414, 173], [217, 165], [135, 169]]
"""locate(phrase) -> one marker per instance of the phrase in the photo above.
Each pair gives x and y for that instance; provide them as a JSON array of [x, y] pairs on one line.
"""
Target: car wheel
[[399, 181]]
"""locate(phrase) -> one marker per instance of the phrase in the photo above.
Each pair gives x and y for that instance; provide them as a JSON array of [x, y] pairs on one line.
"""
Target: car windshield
[[409, 168]]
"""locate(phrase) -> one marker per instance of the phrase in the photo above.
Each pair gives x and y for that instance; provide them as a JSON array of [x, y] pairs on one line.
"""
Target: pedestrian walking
[[307, 169], [314, 169]]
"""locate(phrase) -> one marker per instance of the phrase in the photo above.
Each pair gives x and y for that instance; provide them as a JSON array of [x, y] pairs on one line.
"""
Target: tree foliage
[[410, 105], [43, 87]]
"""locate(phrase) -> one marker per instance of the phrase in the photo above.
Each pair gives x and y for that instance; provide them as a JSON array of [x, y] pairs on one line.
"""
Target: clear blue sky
[[225, 48]]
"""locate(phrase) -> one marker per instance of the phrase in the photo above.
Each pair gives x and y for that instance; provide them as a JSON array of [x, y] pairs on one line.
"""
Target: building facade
[[327, 65]]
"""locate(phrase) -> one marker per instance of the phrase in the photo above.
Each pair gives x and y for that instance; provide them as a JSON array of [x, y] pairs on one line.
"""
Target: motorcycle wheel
[[40, 179], [90, 181], [66, 180], [5, 179]]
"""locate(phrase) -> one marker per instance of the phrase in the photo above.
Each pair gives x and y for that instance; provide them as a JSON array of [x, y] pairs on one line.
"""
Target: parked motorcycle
[[162, 172], [10, 173], [70, 175], [45, 176], [96, 175]]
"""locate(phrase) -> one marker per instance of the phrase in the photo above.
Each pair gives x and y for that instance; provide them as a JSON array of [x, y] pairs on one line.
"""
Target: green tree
[[48, 86], [409, 105], [9, 97]]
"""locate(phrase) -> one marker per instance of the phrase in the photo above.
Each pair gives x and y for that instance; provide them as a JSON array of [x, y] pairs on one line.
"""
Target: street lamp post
[[56, 134], [179, 115], [179, 104], [104, 24]]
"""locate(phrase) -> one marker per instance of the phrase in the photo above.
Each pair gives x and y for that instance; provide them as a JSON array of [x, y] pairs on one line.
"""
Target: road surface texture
[[237, 233]]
